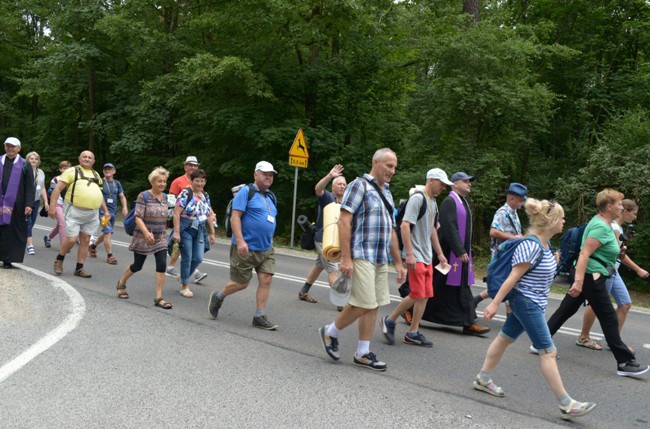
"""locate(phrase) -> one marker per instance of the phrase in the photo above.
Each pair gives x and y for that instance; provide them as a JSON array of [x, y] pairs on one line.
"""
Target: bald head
[[87, 159]]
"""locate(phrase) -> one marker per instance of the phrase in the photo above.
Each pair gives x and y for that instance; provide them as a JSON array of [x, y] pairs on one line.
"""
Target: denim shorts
[[616, 287], [530, 317]]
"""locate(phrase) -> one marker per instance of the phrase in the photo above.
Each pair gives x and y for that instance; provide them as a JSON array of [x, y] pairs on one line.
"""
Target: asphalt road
[[113, 363]]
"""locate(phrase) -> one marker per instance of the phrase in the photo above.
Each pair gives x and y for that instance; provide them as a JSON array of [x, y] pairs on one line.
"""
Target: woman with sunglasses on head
[[595, 265], [615, 284], [527, 288]]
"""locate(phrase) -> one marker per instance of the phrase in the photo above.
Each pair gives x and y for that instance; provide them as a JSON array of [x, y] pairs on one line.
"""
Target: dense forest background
[[551, 93]]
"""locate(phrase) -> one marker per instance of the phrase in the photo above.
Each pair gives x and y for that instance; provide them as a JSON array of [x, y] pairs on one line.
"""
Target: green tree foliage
[[551, 94]]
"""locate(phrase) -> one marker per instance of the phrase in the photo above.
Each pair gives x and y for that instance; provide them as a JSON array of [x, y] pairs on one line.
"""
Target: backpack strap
[[541, 253], [388, 205], [77, 173], [252, 190]]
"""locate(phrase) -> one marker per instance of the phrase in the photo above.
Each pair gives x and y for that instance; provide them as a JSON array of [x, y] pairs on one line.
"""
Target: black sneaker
[[47, 241], [417, 339], [388, 328], [330, 344], [262, 322], [214, 304], [631, 368], [369, 360]]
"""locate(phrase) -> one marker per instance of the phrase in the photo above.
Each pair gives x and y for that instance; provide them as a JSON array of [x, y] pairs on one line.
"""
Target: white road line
[[52, 337], [646, 346]]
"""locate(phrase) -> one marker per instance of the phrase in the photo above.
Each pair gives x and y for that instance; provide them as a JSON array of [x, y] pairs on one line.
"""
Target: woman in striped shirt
[[528, 303]]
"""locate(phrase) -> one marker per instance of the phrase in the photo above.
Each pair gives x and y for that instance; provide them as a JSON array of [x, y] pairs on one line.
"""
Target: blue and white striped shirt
[[535, 285], [372, 224]]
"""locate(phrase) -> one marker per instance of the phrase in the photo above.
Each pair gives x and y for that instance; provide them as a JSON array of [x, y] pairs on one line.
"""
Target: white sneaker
[[171, 272], [198, 276]]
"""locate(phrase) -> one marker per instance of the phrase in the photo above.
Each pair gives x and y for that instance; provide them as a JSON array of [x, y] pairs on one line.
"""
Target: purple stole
[[8, 200], [456, 271]]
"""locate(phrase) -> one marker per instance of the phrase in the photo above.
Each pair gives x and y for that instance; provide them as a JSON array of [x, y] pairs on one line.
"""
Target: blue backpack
[[501, 264], [570, 249], [129, 220]]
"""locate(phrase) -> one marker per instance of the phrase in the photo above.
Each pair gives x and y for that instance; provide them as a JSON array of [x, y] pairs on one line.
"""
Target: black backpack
[[401, 209], [251, 193]]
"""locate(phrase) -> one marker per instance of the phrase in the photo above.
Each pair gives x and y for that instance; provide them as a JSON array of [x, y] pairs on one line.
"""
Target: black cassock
[[451, 305], [13, 237]]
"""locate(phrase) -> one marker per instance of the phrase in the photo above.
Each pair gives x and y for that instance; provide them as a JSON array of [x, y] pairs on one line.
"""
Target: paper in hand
[[443, 269]]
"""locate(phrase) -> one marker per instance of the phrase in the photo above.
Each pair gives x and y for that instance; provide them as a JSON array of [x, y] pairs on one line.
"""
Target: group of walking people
[[436, 257]]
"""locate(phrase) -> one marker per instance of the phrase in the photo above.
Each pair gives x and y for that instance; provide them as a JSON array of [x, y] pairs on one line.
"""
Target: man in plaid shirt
[[367, 237]]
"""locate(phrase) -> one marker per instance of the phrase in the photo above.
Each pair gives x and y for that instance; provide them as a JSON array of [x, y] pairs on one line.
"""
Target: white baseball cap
[[265, 167], [191, 160], [340, 293], [437, 173], [13, 141]]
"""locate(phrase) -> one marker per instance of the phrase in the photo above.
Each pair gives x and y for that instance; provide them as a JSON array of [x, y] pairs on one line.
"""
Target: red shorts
[[421, 281]]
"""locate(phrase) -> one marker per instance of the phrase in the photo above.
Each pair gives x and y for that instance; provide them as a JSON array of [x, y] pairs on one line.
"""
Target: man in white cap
[[419, 236], [17, 191], [253, 221], [190, 165]]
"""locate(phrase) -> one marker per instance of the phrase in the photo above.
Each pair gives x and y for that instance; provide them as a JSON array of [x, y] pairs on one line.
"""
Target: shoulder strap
[[541, 253], [252, 190], [423, 207], [512, 223], [389, 207], [74, 183]]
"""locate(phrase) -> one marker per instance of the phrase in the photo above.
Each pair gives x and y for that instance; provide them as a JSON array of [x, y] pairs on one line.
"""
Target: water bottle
[[176, 250]]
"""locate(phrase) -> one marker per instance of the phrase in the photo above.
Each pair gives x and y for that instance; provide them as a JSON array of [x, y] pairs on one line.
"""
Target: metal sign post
[[299, 158]]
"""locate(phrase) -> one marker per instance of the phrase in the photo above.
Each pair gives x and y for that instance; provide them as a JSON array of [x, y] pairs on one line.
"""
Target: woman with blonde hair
[[595, 265], [150, 235], [528, 286], [615, 284], [40, 195]]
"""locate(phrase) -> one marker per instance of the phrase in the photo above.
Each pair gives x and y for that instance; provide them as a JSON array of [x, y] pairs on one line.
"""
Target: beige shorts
[[79, 220], [241, 268], [369, 285]]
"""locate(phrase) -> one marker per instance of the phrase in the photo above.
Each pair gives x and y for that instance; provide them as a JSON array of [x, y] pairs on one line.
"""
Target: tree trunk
[[472, 7], [92, 138]]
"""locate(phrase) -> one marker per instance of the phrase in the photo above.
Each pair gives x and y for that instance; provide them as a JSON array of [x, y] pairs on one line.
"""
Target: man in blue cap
[[452, 302], [506, 224]]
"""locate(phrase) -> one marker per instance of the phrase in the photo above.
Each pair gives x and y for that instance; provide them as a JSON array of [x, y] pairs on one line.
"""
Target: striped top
[[535, 285], [154, 215], [372, 224]]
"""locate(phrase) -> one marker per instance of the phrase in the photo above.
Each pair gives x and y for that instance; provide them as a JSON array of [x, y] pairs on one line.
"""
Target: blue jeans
[[192, 247], [616, 287], [527, 316], [31, 219]]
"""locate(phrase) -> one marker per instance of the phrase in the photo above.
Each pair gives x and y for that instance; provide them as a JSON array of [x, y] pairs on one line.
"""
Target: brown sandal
[[160, 302], [92, 251], [303, 296], [123, 294], [588, 343], [111, 260]]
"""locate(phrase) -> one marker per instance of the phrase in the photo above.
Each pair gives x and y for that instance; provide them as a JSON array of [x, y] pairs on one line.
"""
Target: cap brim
[[339, 299]]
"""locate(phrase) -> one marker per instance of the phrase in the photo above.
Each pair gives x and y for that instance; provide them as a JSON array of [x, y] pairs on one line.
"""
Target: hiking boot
[[475, 329], [171, 272], [576, 409], [58, 267], [631, 368], [262, 322], [369, 360], [82, 273], [214, 304], [388, 328], [198, 276], [417, 339], [488, 387], [47, 241], [330, 344]]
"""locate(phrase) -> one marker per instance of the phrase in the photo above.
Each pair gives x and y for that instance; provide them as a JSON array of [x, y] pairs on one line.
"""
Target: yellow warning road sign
[[297, 161], [299, 148]]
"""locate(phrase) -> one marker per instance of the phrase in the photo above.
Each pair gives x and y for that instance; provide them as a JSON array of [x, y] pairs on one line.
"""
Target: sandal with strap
[[123, 294], [111, 260], [92, 251], [588, 343], [304, 296], [160, 302], [186, 293]]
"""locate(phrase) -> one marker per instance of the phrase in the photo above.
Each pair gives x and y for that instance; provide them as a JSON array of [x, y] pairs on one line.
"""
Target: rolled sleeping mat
[[331, 246]]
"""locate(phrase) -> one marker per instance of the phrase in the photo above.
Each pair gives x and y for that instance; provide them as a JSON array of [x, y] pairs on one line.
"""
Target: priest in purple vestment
[[452, 297], [16, 196]]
